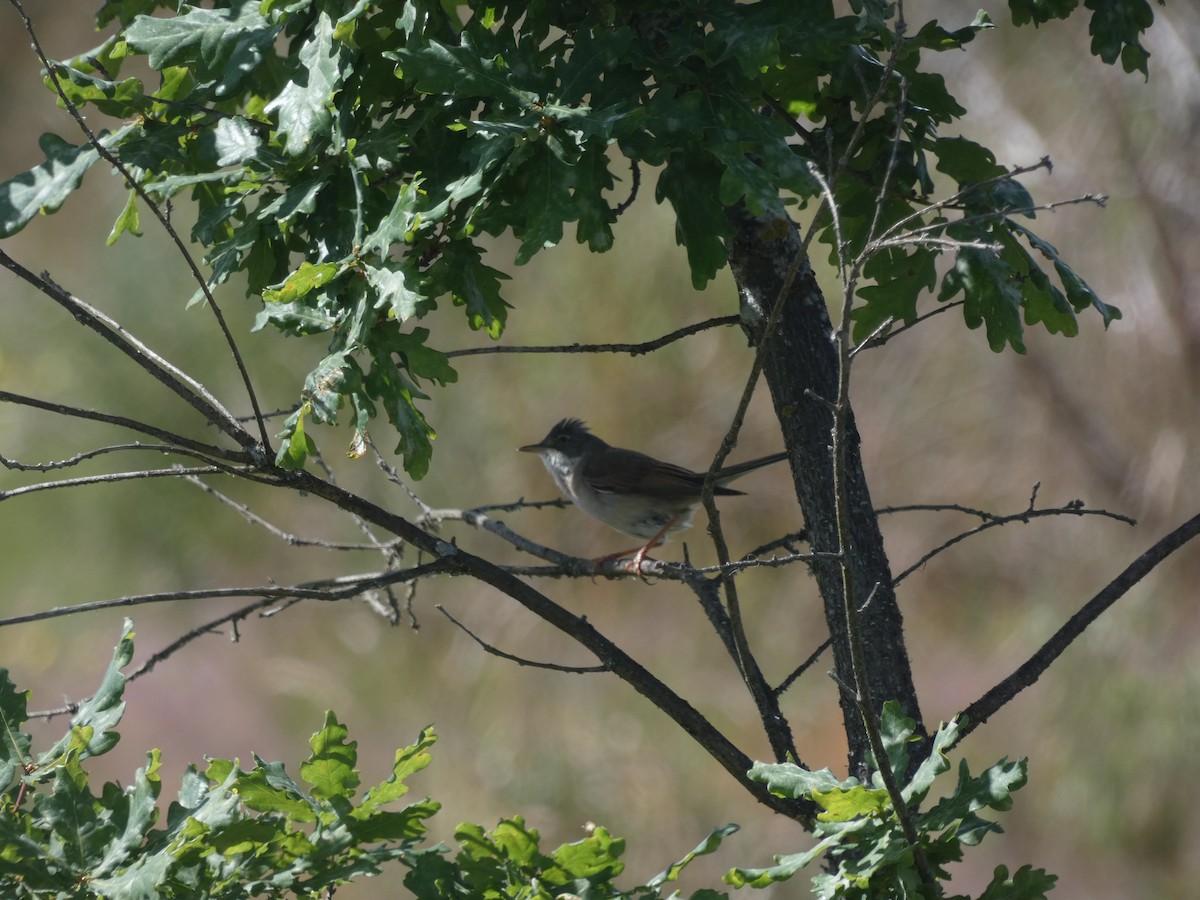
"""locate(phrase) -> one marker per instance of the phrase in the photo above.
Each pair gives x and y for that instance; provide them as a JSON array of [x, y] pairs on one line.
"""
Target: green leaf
[[421, 360], [113, 98], [140, 812], [44, 188], [794, 782], [409, 760], [399, 225], [785, 867], [386, 382], [934, 764], [330, 770], [14, 743], [73, 816], [709, 845], [305, 105], [548, 202], [691, 182], [846, 805], [897, 731], [966, 161], [992, 296], [460, 71], [595, 856], [901, 279], [1116, 29], [127, 221], [97, 717], [296, 319], [1027, 883], [1040, 11], [296, 445], [125, 11], [1079, 294], [992, 789], [473, 285], [237, 141], [391, 285], [306, 279], [217, 45], [325, 387]]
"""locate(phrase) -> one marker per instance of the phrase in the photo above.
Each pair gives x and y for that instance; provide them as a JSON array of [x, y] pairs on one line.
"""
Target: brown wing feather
[[629, 472]]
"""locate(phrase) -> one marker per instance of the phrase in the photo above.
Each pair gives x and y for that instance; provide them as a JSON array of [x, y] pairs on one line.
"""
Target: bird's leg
[[641, 554]]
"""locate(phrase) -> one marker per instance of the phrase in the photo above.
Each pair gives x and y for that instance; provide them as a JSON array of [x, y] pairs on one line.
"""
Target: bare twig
[[804, 666], [83, 456], [174, 378], [110, 478], [631, 349], [328, 590], [1075, 508], [519, 660], [635, 182], [943, 307], [254, 518], [180, 443]]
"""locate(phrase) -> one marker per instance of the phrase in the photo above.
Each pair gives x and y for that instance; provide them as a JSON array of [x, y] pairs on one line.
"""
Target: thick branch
[[729, 756], [1031, 670], [801, 369]]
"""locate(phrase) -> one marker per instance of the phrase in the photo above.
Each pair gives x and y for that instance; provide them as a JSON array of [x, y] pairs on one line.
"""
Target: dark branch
[[180, 442], [1029, 671], [519, 660], [631, 349], [1074, 508], [190, 390], [804, 666]]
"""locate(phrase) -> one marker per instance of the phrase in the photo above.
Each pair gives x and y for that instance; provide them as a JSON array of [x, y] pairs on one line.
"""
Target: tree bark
[[800, 365]]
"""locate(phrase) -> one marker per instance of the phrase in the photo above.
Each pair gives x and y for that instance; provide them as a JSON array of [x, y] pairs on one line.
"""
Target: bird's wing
[[630, 472]]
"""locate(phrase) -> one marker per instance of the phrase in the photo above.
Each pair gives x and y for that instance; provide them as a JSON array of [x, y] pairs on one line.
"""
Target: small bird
[[634, 493]]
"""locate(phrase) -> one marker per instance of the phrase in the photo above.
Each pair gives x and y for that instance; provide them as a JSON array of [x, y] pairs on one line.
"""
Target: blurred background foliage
[[1106, 417]]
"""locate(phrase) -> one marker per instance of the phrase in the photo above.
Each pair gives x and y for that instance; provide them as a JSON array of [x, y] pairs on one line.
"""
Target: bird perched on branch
[[634, 493]]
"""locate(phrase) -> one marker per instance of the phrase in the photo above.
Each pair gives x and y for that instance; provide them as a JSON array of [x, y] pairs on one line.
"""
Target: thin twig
[[519, 660], [82, 456], [110, 478], [254, 518], [327, 590], [181, 444], [1075, 508], [631, 349], [174, 378], [804, 666], [635, 179]]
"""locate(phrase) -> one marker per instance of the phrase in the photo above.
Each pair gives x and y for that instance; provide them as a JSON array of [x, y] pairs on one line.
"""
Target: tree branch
[[519, 660], [631, 349], [1075, 508], [1031, 670], [174, 378]]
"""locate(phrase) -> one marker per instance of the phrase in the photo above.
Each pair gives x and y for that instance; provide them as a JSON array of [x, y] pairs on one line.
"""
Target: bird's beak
[[532, 448]]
